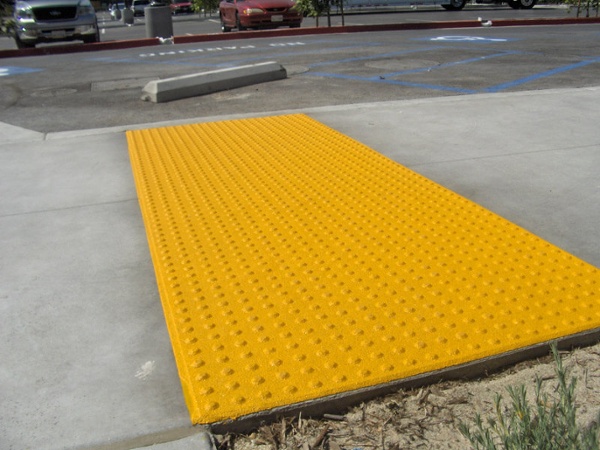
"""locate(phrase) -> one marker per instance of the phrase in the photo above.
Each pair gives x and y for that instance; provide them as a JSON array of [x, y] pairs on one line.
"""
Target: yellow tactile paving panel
[[294, 262]]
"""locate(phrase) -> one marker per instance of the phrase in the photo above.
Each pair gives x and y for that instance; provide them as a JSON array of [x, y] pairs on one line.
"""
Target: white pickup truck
[[39, 21]]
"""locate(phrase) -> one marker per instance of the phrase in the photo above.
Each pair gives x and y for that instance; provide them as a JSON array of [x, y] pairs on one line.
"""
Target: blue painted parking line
[[540, 75], [396, 82], [445, 65], [387, 78], [378, 56], [7, 71]]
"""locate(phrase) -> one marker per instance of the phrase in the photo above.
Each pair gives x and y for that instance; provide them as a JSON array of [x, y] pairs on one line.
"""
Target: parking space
[[391, 69], [465, 63], [322, 70]]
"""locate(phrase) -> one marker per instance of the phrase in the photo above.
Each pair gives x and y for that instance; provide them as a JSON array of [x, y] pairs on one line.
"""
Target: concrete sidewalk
[[86, 359]]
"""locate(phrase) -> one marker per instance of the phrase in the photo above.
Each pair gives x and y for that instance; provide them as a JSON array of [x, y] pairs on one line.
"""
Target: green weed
[[547, 424]]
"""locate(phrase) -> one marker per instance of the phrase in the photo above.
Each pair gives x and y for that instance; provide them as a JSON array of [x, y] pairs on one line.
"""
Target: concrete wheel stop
[[159, 91]]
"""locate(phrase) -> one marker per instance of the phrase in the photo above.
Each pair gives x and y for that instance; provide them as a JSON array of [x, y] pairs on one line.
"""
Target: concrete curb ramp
[[159, 91], [295, 265]]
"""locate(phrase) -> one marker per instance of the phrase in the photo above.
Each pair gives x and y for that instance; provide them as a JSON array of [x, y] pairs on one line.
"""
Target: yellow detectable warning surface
[[294, 262]]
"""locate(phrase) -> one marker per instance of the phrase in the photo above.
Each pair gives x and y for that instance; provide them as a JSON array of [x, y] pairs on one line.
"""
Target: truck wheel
[[93, 38], [527, 4], [21, 44], [455, 5]]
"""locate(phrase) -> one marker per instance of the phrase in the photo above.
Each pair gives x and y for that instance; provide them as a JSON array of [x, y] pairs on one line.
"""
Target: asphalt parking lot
[[103, 89], [203, 24]]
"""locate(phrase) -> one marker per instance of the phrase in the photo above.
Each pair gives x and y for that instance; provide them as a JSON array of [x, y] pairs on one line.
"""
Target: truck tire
[[456, 5], [527, 4], [21, 44], [93, 38]]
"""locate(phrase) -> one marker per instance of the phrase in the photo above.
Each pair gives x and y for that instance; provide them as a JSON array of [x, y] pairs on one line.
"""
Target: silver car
[[54, 20]]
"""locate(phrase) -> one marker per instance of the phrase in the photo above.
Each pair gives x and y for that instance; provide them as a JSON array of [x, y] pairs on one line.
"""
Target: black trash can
[[127, 16], [159, 23]]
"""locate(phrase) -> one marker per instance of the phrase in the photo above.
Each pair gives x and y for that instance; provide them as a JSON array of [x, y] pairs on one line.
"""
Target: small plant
[[314, 8], [548, 424], [584, 6], [6, 21], [205, 6]]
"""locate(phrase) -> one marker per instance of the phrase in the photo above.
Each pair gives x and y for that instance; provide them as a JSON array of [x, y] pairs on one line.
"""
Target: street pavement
[[86, 358]]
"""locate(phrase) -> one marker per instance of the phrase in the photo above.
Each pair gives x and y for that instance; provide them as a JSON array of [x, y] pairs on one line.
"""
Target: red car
[[181, 7], [243, 14]]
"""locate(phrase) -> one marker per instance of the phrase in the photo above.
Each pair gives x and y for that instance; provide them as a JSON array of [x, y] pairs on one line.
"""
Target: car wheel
[[224, 27], [527, 4], [514, 4], [238, 25], [455, 5]]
